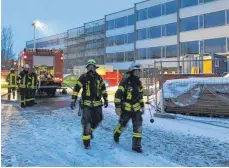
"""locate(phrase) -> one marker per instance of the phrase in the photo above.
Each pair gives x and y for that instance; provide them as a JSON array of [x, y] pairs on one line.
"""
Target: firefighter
[[93, 90], [33, 86], [129, 105], [12, 83], [24, 82]]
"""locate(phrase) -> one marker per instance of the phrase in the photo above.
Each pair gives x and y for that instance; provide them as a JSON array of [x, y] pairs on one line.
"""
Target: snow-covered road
[[51, 136]]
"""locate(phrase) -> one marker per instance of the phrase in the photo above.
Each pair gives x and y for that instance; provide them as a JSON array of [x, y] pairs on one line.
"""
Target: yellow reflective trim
[[121, 88], [137, 135], [73, 100], [140, 90], [104, 92], [75, 93], [129, 95], [117, 129], [92, 129], [88, 89], [117, 100], [79, 83], [135, 105], [87, 137], [142, 101]]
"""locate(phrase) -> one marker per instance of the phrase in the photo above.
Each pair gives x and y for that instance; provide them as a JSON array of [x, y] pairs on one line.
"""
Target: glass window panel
[[120, 22], [190, 23], [142, 53], [201, 1], [163, 30], [154, 52], [120, 39], [120, 57], [154, 11], [228, 17], [171, 51], [129, 56], [206, 1], [163, 9], [142, 34], [155, 32], [142, 14], [187, 3], [171, 7], [110, 41], [131, 20], [215, 45], [191, 47], [110, 24], [110, 57], [201, 21], [130, 38], [215, 19], [201, 47], [171, 29]]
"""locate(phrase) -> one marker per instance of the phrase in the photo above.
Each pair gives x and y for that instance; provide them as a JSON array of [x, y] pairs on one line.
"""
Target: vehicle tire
[[64, 91], [53, 93]]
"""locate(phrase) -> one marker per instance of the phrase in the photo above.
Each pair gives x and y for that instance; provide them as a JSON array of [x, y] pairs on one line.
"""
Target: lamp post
[[34, 36]]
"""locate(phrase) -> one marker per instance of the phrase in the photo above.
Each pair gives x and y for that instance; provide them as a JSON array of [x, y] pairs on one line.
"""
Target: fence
[[201, 97]]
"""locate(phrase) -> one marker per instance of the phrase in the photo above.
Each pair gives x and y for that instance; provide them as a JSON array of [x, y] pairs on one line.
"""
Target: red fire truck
[[49, 67]]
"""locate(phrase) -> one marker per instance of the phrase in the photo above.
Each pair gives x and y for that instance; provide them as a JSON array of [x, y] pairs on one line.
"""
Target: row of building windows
[[218, 45], [95, 29], [157, 52], [95, 45], [120, 57], [214, 19], [95, 37], [157, 31], [158, 10], [120, 22], [188, 3], [120, 39]]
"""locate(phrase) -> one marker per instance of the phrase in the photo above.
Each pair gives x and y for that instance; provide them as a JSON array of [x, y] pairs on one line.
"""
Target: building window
[[129, 56], [215, 45], [131, 20], [110, 57], [190, 23], [110, 24], [201, 21], [110, 41], [142, 14], [171, 29], [130, 38], [142, 34], [154, 11], [171, 51], [163, 30], [228, 45], [120, 39], [201, 43], [215, 19], [155, 32], [154, 52], [171, 7], [191, 47], [142, 54], [120, 22], [228, 17], [187, 3], [120, 57]]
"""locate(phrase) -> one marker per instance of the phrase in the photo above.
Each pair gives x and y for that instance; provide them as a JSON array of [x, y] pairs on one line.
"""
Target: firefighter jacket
[[12, 80], [24, 80], [130, 94], [93, 90], [33, 78]]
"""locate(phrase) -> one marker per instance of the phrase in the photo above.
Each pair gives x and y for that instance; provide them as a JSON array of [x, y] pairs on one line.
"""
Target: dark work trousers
[[10, 90], [32, 96], [24, 97], [91, 118], [137, 126]]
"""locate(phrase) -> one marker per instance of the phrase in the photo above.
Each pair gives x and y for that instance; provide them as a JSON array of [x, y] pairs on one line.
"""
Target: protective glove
[[118, 110], [73, 105], [142, 111], [106, 104]]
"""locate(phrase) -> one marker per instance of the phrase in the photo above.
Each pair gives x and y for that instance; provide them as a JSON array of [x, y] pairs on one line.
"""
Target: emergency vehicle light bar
[[52, 51]]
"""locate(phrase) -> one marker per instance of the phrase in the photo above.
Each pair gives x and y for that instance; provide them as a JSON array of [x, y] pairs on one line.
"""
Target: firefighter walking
[[93, 90], [24, 82], [33, 86], [12, 83], [129, 105]]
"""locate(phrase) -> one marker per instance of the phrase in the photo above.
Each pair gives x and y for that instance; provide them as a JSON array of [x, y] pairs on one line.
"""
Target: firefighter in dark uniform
[[24, 82], [12, 83], [129, 105], [93, 90], [33, 86]]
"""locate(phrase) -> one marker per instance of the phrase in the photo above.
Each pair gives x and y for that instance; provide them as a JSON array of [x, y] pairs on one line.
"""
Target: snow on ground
[[39, 137]]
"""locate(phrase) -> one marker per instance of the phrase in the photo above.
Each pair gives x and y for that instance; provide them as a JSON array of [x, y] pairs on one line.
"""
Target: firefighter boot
[[87, 144], [116, 137], [136, 145]]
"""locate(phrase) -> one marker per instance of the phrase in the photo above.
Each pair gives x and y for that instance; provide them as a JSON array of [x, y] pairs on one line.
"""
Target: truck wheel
[[64, 91], [53, 93]]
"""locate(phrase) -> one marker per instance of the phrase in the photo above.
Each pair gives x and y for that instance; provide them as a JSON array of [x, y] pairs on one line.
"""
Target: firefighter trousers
[[91, 118], [32, 96], [24, 97], [10, 90], [137, 126]]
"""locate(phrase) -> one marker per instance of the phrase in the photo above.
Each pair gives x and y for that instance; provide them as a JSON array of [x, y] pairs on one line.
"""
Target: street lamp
[[35, 24]]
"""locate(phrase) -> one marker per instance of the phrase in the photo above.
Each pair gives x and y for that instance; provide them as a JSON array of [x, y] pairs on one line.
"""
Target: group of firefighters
[[25, 83], [128, 103], [128, 100]]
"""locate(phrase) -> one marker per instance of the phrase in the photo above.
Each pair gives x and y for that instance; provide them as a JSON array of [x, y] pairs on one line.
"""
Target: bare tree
[[7, 44]]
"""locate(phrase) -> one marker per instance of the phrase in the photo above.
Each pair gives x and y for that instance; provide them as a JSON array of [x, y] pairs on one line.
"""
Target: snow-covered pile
[[177, 87]]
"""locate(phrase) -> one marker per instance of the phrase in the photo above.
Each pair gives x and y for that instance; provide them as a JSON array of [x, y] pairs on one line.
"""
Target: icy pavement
[[51, 136]]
